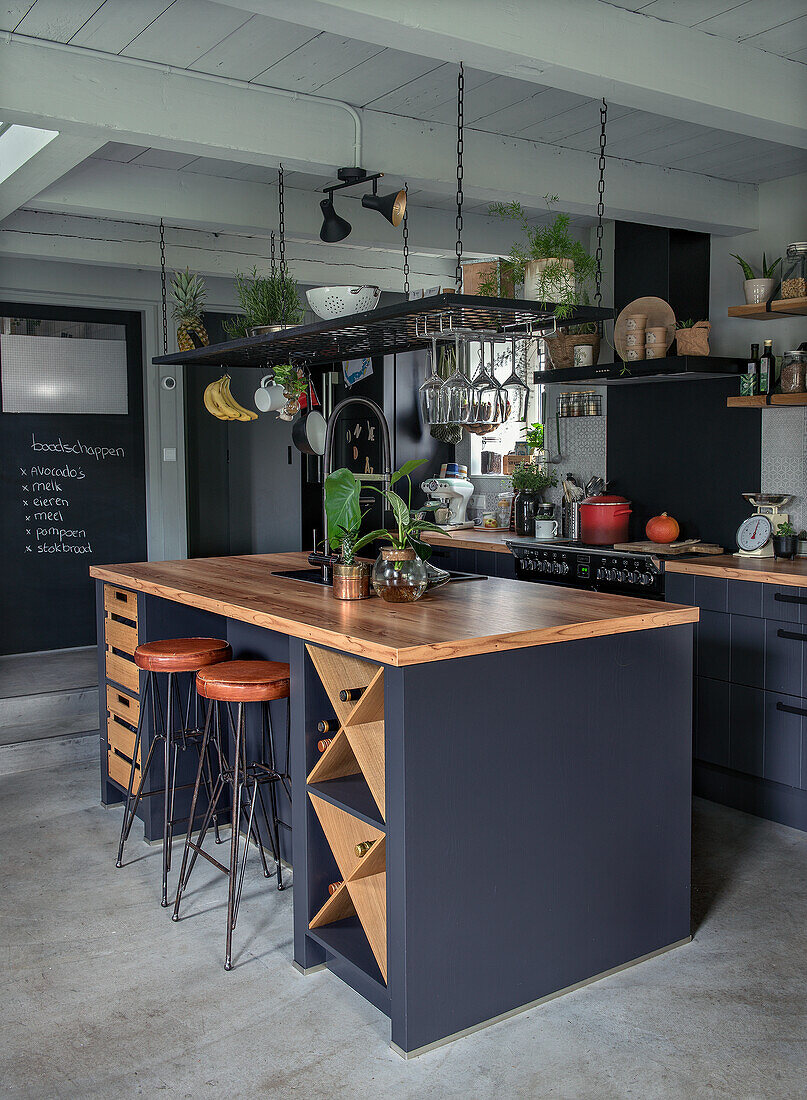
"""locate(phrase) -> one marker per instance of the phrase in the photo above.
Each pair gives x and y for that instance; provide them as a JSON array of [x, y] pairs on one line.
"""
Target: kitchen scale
[[754, 534]]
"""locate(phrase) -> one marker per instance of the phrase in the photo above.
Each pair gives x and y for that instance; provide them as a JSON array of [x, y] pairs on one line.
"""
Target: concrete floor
[[102, 995]]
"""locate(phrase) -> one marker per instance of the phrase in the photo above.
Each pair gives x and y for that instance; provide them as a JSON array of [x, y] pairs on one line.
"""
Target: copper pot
[[351, 582]]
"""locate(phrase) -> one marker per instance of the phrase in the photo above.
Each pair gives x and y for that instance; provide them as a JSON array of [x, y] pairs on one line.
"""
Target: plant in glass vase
[[400, 574], [529, 481]]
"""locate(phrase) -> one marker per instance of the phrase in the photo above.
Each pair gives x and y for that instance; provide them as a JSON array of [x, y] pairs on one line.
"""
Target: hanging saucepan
[[308, 432]]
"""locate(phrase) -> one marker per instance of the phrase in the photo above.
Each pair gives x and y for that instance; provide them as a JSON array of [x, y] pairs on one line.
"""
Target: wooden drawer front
[[124, 706], [120, 636], [119, 769], [119, 601], [120, 737], [122, 671]]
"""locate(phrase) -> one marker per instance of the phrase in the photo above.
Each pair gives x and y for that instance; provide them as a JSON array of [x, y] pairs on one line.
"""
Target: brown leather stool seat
[[181, 654], [245, 682]]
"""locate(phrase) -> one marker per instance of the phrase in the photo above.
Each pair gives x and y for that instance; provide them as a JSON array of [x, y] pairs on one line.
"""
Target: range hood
[[674, 368]]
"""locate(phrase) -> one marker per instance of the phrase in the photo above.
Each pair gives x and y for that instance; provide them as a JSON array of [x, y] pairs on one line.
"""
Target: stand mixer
[[453, 493]]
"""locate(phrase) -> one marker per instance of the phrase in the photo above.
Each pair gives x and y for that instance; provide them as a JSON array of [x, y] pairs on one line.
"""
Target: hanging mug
[[268, 396]]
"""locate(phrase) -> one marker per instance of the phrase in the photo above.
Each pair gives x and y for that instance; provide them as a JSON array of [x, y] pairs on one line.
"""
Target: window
[[488, 451]]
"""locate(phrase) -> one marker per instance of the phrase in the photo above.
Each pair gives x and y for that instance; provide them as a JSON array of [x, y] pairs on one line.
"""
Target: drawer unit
[[785, 722], [785, 603], [785, 657], [119, 601], [119, 769], [122, 705], [123, 671], [121, 738]]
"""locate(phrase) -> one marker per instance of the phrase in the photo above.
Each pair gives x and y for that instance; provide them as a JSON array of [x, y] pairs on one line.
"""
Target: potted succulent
[[400, 574], [692, 337], [270, 302], [351, 578], [189, 302], [529, 482], [758, 290], [785, 541], [554, 267], [801, 549]]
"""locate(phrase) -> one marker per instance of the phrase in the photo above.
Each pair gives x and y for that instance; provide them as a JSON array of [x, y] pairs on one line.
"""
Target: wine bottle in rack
[[350, 695], [363, 847], [333, 887], [327, 725], [323, 744]]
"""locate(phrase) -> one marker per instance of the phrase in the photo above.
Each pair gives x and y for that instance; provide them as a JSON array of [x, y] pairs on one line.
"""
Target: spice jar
[[794, 274], [793, 378]]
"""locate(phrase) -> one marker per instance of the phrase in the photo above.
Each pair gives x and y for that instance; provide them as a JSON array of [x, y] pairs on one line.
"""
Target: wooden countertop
[[767, 570], [468, 539], [457, 620]]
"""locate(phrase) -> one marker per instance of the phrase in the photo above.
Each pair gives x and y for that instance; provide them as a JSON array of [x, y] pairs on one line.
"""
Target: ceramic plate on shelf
[[659, 315]]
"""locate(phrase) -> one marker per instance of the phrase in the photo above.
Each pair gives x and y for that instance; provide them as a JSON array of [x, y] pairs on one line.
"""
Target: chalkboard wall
[[72, 494]]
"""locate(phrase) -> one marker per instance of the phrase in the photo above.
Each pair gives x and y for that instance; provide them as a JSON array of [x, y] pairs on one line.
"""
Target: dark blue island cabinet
[[750, 743], [500, 809]]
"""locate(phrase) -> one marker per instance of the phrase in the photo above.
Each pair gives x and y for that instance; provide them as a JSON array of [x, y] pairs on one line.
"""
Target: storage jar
[[794, 272], [793, 378]]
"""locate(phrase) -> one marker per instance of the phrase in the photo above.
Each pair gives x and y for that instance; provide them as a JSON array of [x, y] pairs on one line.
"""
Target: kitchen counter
[[766, 570], [469, 539], [458, 620], [520, 756]]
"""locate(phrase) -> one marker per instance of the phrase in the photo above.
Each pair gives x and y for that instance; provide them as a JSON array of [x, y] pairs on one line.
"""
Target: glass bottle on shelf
[[767, 369]]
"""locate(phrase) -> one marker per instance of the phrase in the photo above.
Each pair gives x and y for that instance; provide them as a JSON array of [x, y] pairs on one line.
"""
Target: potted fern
[[270, 302], [554, 267], [758, 290]]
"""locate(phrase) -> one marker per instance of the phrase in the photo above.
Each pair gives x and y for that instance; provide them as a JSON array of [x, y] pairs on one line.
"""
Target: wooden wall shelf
[[770, 311], [759, 401]]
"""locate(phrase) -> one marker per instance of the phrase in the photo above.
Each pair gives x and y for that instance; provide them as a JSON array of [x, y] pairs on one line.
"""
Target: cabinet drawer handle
[[792, 635], [792, 710], [784, 598]]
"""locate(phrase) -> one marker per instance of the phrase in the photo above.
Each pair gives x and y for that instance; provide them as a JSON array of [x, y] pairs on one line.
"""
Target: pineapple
[[189, 299]]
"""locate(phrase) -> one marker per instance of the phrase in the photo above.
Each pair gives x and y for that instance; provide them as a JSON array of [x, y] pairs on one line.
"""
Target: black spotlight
[[334, 228], [392, 206]]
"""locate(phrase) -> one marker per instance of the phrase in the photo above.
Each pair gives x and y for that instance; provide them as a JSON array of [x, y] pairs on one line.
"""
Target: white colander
[[341, 301]]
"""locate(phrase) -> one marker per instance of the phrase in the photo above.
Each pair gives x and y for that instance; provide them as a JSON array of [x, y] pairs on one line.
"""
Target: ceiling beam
[[190, 113], [33, 234], [583, 47], [44, 168]]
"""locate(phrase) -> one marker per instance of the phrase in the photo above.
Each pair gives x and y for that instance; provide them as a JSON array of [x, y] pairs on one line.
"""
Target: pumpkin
[[662, 528]]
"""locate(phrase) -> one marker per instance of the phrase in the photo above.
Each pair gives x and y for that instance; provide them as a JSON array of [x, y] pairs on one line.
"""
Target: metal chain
[[274, 265], [460, 150], [600, 204], [281, 217], [406, 242], [162, 287]]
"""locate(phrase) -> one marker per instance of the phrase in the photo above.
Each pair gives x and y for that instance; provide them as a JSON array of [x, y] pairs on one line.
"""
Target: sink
[[314, 576]]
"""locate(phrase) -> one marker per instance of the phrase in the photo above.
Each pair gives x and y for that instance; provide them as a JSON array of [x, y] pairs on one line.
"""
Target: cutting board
[[669, 549]]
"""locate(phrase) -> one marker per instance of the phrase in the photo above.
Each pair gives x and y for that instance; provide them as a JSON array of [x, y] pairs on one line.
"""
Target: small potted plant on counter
[[400, 574], [801, 549], [270, 302], [757, 291], [785, 541], [529, 482], [692, 337], [351, 578], [554, 266]]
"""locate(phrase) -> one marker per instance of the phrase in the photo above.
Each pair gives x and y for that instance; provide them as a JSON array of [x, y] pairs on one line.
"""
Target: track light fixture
[[391, 206]]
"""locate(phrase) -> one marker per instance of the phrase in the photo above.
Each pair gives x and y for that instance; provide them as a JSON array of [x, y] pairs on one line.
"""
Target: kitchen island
[[520, 757]]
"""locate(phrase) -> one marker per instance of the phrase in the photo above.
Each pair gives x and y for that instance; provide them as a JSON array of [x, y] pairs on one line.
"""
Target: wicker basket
[[561, 348], [695, 340]]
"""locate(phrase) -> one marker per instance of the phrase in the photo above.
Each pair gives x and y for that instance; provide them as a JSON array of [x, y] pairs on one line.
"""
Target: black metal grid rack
[[381, 331]]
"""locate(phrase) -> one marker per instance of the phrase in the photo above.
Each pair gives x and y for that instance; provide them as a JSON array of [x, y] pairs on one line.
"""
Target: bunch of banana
[[220, 403]]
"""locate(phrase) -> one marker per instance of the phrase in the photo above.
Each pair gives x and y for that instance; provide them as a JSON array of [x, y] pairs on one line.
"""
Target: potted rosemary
[[351, 578], [554, 267], [270, 302], [529, 482]]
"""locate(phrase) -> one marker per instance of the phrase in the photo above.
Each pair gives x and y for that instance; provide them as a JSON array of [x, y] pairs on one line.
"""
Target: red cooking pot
[[604, 520]]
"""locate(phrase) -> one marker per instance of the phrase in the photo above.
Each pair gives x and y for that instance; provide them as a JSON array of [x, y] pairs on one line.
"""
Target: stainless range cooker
[[578, 565]]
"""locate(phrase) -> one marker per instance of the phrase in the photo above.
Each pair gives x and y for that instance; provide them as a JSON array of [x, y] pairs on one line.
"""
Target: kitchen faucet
[[386, 456]]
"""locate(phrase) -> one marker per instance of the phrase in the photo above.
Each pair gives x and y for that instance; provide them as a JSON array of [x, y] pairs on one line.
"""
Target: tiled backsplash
[[784, 459]]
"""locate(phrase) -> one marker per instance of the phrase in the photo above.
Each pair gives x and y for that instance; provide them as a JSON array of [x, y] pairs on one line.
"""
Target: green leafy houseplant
[[410, 523], [786, 530], [343, 509], [290, 378], [529, 478], [768, 270], [266, 300], [534, 437], [552, 242]]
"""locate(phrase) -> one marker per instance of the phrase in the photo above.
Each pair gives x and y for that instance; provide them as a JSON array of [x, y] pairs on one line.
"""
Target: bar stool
[[169, 657], [239, 682]]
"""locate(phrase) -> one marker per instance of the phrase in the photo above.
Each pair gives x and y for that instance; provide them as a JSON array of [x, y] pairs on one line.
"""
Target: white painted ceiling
[[207, 37]]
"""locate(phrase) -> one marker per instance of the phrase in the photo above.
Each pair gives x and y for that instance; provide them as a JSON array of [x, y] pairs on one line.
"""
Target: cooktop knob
[[564, 568]]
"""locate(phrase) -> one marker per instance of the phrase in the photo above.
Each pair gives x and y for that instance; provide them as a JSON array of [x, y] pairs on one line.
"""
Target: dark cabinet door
[[505, 566], [746, 598], [785, 655], [679, 588], [747, 664], [747, 729], [712, 722], [786, 604], [784, 729], [714, 641]]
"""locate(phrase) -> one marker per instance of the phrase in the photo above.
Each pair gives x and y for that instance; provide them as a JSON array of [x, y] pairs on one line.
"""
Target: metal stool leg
[[185, 870], [236, 820], [168, 787]]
